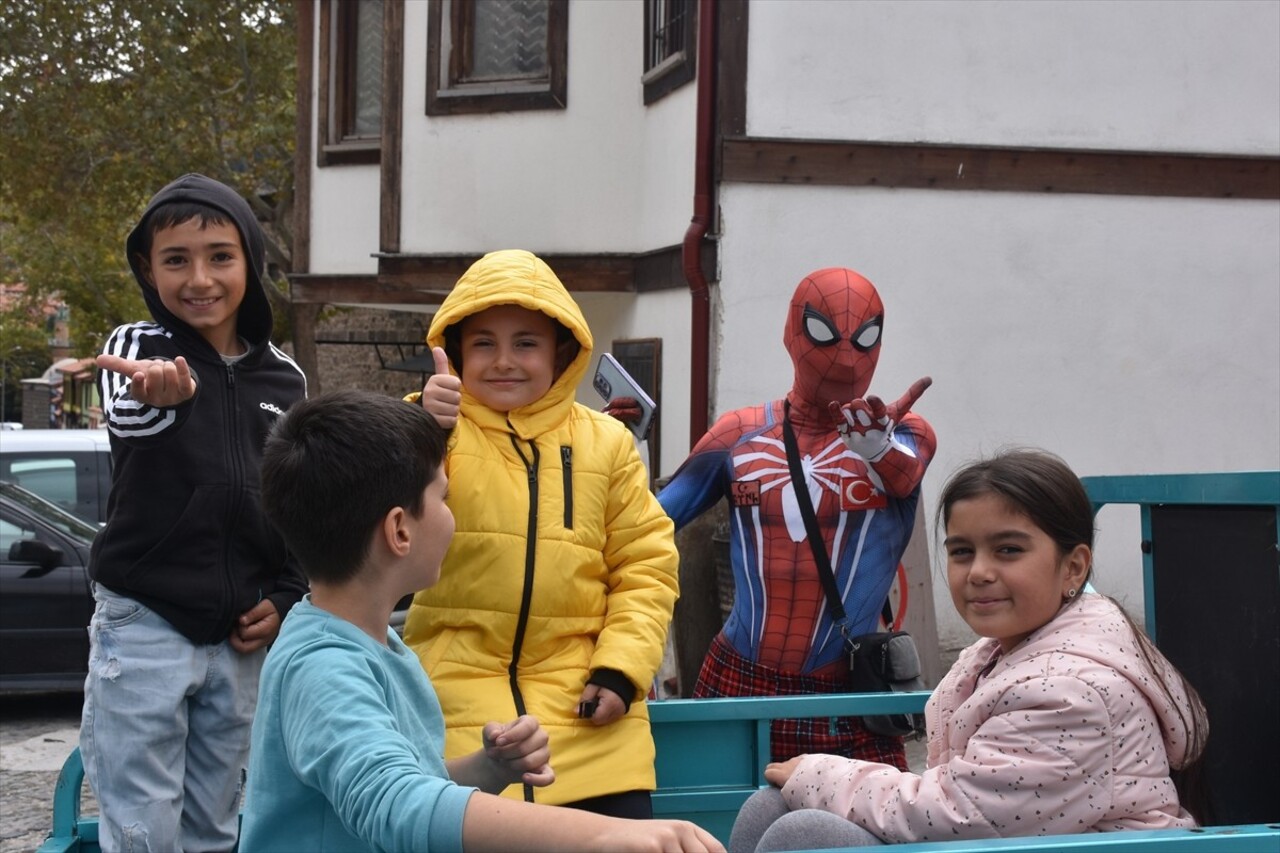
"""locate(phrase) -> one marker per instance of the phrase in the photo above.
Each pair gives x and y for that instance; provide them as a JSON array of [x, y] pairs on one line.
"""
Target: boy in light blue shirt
[[347, 750]]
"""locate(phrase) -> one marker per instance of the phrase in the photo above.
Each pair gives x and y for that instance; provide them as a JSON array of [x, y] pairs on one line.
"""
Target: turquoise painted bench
[[712, 753]]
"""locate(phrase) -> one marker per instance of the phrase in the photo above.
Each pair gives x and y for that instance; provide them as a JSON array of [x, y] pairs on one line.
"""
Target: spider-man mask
[[833, 336]]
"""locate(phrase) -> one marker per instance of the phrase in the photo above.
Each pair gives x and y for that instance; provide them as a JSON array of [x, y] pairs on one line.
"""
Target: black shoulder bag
[[878, 662]]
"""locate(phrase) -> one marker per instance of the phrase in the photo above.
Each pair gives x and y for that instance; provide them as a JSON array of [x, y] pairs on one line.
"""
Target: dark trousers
[[630, 804]]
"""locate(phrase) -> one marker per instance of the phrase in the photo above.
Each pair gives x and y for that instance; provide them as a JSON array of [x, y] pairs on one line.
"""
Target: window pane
[[51, 478], [497, 55], [669, 46], [667, 21], [368, 68], [509, 39]]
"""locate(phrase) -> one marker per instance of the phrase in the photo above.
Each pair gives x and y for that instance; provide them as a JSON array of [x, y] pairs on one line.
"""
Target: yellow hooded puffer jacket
[[515, 626]]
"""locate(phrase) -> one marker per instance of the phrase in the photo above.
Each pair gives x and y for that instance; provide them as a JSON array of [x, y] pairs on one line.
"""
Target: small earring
[[1071, 593]]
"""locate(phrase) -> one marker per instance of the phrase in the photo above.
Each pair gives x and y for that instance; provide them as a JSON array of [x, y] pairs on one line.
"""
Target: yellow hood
[[517, 277]]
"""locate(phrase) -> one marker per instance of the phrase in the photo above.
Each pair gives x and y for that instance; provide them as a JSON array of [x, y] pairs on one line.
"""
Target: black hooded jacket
[[185, 533]]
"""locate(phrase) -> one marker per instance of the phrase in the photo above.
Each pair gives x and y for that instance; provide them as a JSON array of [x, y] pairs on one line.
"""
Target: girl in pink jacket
[[1063, 718]]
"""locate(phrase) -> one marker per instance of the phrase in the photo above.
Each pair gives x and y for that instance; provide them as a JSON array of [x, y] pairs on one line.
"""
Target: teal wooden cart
[[711, 753], [1211, 560]]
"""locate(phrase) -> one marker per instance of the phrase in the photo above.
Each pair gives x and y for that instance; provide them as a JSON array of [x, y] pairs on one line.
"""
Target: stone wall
[[355, 363]]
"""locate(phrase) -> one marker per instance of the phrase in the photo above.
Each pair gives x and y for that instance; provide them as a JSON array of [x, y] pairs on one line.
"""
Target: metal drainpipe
[[699, 393]]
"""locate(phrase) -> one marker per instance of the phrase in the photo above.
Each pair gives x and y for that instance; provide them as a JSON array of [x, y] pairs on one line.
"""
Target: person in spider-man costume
[[863, 462]]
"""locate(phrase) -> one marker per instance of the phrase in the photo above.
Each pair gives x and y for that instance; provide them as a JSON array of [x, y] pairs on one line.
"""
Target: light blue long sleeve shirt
[[347, 750]]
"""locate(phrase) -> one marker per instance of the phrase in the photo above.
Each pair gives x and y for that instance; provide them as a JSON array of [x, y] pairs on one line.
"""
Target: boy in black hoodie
[[191, 581]]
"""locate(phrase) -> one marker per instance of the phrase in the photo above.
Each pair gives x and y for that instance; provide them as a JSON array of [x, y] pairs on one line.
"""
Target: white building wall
[[1167, 75], [606, 174], [344, 220], [344, 208], [1128, 334]]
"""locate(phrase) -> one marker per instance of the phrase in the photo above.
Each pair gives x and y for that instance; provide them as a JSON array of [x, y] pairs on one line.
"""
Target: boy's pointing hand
[[156, 382]]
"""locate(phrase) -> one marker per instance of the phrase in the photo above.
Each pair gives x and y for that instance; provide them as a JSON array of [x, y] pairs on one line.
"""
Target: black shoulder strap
[[820, 555]]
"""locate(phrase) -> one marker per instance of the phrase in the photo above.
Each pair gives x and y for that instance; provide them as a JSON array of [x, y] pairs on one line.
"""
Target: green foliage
[[102, 102]]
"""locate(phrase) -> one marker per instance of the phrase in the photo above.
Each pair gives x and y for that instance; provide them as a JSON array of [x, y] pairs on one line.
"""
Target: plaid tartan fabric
[[725, 673]]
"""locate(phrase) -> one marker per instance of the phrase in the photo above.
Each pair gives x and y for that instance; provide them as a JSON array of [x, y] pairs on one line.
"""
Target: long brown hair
[[1042, 487]]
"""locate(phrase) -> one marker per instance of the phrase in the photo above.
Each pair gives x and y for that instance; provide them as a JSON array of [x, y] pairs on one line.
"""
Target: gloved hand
[[625, 409], [866, 425]]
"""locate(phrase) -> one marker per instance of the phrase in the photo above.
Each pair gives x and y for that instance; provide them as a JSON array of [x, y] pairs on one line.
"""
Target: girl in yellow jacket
[[555, 596]]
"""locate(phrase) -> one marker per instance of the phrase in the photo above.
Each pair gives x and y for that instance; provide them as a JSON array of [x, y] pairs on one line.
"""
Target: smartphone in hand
[[612, 381]]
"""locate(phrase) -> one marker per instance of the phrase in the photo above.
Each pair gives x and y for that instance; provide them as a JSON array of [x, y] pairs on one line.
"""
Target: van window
[[53, 479], [68, 479]]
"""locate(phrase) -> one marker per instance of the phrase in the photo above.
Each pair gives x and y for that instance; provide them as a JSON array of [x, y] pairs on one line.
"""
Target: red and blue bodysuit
[[863, 463]]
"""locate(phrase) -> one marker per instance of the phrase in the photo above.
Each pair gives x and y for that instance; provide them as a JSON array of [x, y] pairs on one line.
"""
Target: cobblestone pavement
[[36, 733]]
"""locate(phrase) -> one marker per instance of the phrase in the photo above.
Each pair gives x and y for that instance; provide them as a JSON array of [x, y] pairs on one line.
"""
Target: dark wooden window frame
[[633, 354], [336, 99], [678, 67], [447, 97]]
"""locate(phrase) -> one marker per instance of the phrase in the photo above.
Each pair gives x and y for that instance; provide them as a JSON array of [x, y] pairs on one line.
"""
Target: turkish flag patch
[[744, 493], [858, 494]]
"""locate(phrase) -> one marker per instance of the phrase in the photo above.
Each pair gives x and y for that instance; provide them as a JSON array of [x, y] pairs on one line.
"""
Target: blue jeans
[[165, 731]]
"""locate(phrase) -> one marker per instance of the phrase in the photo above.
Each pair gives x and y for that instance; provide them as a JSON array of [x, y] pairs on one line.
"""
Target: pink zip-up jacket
[[1069, 732]]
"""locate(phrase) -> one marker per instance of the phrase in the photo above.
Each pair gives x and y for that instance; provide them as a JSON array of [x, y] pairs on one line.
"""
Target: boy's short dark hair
[[335, 465], [177, 212]]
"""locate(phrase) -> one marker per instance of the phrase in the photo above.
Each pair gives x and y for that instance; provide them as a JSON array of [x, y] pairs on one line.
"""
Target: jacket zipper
[[566, 463], [526, 596], [236, 467]]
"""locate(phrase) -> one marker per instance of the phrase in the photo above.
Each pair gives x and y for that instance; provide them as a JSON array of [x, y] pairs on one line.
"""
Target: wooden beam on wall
[[917, 166], [300, 251], [408, 279], [355, 290], [392, 125], [664, 268], [731, 76]]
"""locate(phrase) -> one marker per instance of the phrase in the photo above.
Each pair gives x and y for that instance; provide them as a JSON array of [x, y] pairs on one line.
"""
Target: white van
[[68, 467]]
